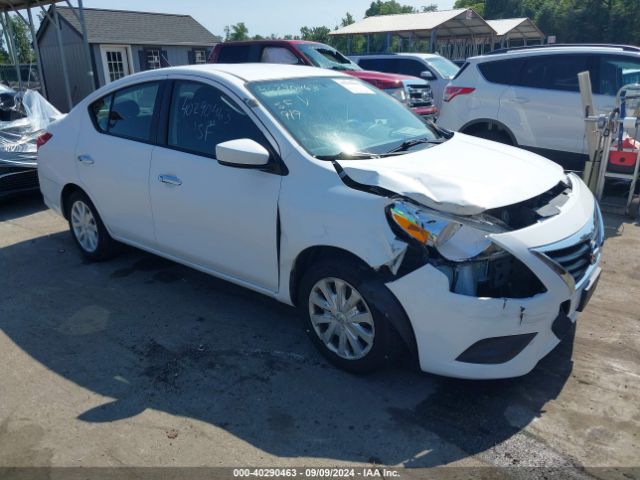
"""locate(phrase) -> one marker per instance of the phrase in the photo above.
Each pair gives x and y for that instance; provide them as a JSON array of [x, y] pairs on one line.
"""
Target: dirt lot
[[142, 362]]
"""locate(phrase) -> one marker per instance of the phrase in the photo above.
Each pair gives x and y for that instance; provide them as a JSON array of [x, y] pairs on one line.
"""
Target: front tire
[[343, 320], [87, 229]]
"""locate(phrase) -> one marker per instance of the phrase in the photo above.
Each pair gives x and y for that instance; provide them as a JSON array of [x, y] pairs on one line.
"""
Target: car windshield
[[324, 56], [446, 68], [342, 116]]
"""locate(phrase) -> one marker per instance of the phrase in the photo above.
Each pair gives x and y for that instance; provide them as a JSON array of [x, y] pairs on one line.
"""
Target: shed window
[[200, 56], [153, 59]]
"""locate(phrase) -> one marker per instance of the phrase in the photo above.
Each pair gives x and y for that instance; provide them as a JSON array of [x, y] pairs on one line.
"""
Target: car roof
[[551, 50], [266, 41], [398, 54], [252, 72]]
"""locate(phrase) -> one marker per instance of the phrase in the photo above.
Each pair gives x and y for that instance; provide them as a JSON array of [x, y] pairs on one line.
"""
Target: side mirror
[[427, 75], [242, 153]]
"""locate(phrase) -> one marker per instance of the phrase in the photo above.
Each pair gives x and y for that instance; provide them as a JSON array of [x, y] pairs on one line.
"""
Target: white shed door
[[115, 62]]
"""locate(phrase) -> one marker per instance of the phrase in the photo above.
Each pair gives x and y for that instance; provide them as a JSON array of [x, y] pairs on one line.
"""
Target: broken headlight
[[455, 238]]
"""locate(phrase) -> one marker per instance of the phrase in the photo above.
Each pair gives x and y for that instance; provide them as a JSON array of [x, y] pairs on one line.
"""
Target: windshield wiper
[[406, 145], [357, 155], [348, 156]]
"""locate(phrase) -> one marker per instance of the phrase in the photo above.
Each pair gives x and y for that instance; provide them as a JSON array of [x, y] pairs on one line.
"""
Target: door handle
[[170, 180], [85, 159], [520, 100]]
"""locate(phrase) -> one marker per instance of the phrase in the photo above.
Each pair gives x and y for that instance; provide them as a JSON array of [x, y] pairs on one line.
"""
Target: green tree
[[315, 34], [341, 43], [388, 7], [429, 8], [22, 42], [476, 5], [239, 31]]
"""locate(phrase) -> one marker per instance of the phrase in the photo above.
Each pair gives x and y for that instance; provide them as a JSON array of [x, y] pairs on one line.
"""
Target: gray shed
[[120, 42]]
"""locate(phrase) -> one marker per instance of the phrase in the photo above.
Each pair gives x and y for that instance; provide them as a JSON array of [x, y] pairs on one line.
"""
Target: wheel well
[[394, 310], [488, 126], [312, 254], [64, 196]]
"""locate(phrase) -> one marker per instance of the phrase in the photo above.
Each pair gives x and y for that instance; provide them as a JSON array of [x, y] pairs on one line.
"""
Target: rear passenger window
[[99, 111], [378, 64], [128, 112], [615, 72], [407, 66], [503, 72], [278, 55], [234, 54], [202, 116], [554, 72], [132, 111]]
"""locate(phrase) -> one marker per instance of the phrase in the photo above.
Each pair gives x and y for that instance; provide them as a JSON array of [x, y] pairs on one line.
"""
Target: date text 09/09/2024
[[367, 472]]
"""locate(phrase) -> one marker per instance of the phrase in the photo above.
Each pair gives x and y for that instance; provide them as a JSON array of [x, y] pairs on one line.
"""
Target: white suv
[[430, 66], [529, 97]]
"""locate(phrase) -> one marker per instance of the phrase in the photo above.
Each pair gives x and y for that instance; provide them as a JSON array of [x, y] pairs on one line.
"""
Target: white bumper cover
[[445, 324]]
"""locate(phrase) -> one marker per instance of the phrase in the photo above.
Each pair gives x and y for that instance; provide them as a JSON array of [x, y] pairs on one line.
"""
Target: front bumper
[[447, 324], [17, 178], [426, 112]]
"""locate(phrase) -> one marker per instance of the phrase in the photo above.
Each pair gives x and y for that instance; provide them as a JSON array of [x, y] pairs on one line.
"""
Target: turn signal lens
[[410, 225]]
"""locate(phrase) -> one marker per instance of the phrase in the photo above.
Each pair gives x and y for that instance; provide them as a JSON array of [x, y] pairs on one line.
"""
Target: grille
[[575, 259], [420, 95], [19, 181]]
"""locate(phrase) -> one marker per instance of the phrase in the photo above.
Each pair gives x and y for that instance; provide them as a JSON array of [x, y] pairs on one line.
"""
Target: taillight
[[451, 92], [42, 139]]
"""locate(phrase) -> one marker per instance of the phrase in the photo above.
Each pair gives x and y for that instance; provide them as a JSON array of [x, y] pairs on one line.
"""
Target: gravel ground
[[143, 362]]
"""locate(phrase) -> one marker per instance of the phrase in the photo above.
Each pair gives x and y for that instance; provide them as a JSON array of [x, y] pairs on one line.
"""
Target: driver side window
[[202, 116]]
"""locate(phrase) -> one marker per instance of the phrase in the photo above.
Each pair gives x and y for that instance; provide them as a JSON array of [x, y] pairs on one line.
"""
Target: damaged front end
[[461, 248]]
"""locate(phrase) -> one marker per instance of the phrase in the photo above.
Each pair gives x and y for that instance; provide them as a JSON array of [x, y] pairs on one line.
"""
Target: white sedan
[[317, 189]]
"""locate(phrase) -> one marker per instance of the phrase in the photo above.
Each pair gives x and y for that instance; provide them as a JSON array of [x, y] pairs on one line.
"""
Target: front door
[[221, 218], [115, 62]]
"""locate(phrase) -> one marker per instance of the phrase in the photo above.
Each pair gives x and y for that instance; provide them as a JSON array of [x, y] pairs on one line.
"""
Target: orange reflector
[[410, 227]]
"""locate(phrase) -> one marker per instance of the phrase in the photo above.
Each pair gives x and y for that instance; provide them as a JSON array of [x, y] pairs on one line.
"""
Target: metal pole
[[16, 59], [57, 25], [36, 49], [87, 50], [432, 40]]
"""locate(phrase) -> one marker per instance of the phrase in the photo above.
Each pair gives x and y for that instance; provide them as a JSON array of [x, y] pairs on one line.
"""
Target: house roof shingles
[[139, 28]]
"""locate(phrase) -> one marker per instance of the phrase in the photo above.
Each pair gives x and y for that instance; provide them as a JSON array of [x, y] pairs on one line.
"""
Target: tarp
[[18, 137]]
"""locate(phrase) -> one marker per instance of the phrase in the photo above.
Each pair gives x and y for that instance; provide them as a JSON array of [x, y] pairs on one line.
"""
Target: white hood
[[465, 175]]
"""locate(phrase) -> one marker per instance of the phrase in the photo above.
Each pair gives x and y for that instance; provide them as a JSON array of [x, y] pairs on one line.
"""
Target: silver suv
[[529, 96], [430, 66]]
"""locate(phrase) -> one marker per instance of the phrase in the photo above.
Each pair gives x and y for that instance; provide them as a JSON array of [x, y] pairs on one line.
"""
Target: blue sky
[[261, 16]]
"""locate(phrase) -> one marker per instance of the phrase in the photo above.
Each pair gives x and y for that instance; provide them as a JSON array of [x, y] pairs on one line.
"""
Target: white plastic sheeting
[[18, 137]]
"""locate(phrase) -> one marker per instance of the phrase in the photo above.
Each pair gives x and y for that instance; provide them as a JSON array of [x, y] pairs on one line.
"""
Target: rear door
[[544, 106], [113, 157]]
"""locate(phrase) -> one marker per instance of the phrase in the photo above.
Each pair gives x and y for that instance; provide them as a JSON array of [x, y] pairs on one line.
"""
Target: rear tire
[[87, 229], [344, 320]]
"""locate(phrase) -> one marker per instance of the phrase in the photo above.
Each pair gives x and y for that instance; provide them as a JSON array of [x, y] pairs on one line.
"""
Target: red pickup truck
[[412, 91]]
